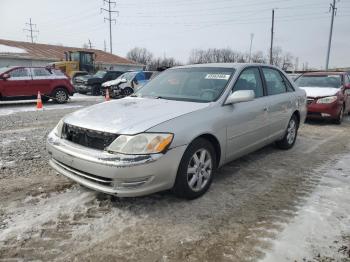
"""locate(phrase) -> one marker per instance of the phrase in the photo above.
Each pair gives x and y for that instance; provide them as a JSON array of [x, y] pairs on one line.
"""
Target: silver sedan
[[178, 129]]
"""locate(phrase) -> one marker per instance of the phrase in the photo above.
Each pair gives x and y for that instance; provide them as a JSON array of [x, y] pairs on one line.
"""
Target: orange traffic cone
[[107, 98], [39, 103]]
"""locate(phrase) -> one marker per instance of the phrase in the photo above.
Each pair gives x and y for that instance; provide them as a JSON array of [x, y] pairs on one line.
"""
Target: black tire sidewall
[[181, 187], [127, 88], [283, 144]]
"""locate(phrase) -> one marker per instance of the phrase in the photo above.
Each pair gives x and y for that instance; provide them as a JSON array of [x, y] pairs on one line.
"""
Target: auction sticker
[[218, 76]]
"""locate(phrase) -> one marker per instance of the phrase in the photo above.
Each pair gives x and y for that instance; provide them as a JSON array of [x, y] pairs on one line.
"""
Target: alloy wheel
[[199, 170]]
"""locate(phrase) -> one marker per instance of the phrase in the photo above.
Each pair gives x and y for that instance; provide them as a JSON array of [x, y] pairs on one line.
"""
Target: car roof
[[226, 65], [321, 73]]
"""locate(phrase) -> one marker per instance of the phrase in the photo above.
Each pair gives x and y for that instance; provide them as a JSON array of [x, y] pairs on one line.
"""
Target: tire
[[193, 180], [96, 90], [291, 134], [60, 95], [44, 98], [127, 91], [340, 117]]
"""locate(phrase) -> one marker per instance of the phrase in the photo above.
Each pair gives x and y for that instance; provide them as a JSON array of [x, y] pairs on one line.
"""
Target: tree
[[140, 55]]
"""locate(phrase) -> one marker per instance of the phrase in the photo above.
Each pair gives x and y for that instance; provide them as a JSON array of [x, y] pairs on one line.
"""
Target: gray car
[[178, 129]]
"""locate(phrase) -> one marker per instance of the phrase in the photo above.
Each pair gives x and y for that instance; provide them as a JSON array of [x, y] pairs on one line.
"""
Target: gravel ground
[[252, 205]]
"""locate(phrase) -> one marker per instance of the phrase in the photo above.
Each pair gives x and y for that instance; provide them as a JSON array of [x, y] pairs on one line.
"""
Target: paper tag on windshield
[[217, 76]]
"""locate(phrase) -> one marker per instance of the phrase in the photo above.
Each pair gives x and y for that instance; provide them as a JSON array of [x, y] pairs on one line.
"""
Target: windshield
[[100, 74], [197, 84], [128, 76], [319, 81], [3, 69]]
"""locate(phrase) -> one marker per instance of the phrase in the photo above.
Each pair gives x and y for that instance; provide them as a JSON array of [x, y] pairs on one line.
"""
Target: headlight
[[141, 144], [327, 100], [58, 129]]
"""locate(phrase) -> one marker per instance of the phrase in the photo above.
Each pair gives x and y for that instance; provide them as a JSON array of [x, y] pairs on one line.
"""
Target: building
[[15, 53]]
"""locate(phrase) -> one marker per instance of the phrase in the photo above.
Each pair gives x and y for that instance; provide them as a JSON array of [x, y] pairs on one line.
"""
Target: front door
[[247, 127], [17, 84]]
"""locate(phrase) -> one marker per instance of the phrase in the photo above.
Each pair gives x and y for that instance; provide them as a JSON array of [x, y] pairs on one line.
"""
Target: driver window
[[250, 79]]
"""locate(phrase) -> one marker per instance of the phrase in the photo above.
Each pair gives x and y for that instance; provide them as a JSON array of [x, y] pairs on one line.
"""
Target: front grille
[[87, 137]]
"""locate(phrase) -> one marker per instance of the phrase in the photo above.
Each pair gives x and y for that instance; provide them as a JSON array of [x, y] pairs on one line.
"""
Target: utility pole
[[90, 44], [104, 46], [272, 28], [109, 19], [31, 30], [334, 11], [250, 49]]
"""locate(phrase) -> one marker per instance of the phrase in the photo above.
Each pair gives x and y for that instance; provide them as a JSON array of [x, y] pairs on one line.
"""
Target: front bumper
[[315, 110], [111, 173], [82, 88]]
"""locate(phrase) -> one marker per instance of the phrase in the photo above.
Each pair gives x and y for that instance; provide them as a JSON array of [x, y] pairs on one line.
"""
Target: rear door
[[42, 80], [17, 84], [247, 127], [280, 100]]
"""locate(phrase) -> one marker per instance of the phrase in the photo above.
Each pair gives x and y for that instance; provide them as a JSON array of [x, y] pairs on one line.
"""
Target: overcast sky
[[175, 27]]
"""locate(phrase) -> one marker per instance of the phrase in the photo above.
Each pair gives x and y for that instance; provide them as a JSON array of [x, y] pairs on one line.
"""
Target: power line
[[334, 10], [110, 19], [31, 30]]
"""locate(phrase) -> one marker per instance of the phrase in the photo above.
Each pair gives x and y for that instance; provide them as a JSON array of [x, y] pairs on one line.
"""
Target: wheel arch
[[215, 142]]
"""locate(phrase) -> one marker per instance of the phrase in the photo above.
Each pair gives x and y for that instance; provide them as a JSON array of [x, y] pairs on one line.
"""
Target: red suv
[[328, 94], [25, 82]]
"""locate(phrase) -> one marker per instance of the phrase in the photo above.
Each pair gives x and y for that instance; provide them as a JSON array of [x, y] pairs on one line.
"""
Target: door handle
[[266, 109]]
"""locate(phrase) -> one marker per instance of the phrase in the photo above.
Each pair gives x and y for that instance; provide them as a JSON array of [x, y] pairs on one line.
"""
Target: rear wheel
[[60, 95], [196, 169], [290, 136], [340, 117]]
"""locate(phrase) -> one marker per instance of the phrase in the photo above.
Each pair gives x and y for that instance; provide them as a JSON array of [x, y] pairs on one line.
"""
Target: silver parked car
[[178, 129]]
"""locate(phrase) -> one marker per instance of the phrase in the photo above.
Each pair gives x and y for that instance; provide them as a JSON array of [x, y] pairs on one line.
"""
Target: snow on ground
[[81, 97], [10, 49], [322, 222], [28, 108]]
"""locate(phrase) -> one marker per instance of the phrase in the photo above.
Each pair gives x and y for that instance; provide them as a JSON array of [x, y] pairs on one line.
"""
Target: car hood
[[320, 91], [130, 115], [111, 82]]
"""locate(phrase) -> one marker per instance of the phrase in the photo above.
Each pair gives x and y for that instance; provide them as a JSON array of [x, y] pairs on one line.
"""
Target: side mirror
[[5, 76], [123, 80], [240, 96], [347, 86]]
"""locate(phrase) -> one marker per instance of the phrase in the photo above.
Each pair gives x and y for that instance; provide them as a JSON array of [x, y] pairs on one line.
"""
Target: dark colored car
[[92, 84], [328, 94], [26, 82], [128, 83]]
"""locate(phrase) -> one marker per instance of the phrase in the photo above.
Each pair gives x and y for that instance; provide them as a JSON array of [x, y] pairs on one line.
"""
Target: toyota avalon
[[176, 130]]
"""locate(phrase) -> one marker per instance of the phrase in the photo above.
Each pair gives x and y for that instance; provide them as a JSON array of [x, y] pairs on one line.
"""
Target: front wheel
[[60, 95], [290, 136], [127, 91], [196, 169], [340, 117]]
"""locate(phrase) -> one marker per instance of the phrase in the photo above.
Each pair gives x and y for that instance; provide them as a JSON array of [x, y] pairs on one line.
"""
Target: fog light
[[117, 184]]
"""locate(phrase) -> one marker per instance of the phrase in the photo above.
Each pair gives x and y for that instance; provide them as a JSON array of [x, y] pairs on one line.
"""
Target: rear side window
[[250, 79], [19, 72], [40, 72], [347, 79], [275, 84]]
